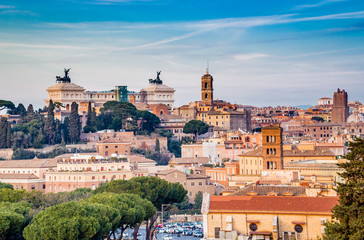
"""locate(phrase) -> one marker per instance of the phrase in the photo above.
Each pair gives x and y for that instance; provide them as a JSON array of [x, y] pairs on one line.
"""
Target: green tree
[[65, 129], [3, 132], [8, 136], [91, 120], [50, 126], [154, 189], [198, 200], [132, 209], [72, 220], [196, 127], [350, 212], [75, 124], [6, 185], [20, 109], [30, 110], [4, 104], [157, 145]]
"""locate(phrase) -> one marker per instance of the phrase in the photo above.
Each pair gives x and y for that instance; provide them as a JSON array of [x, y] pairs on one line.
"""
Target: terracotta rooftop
[[167, 171], [114, 140], [139, 159], [17, 176], [33, 163], [197, 176], [295, 152], [264, 190], [191, 160], [272, 204]]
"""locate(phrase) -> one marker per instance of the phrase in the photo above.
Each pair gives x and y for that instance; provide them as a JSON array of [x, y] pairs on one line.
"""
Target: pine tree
[[3, 130], [30, 110], [49, 126], [8, 136], [350, 211], [75, 124]]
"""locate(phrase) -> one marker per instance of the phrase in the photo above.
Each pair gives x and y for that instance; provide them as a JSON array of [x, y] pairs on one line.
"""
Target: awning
[[261, 233], [299, 222], [253, 221]]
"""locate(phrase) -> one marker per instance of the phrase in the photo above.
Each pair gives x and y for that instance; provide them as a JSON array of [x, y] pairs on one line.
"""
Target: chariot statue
[[65, 79], [157, 80]]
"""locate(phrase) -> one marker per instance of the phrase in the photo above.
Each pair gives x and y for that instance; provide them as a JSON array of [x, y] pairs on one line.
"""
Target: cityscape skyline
[[261, 54]]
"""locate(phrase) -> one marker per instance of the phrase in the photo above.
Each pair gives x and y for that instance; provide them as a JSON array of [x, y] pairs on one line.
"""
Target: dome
[[355, 118]]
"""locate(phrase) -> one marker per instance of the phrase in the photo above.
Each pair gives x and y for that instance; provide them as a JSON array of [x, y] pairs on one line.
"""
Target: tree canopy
[[73, 220], [196, 127], [5, 104], [350, 211]]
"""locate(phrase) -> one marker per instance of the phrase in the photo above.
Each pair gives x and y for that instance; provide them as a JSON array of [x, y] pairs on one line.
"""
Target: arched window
[[205, 85], [206, 96], [267, 165], [267, 138]]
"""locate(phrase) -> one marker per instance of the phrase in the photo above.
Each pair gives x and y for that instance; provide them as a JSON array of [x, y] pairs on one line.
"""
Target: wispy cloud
[[249, 56], [319, 4], [6, 6], [17, 12], [113, 2]]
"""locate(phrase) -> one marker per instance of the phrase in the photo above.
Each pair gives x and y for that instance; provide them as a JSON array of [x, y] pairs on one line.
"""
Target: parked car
[[167, 237], [198, 234]]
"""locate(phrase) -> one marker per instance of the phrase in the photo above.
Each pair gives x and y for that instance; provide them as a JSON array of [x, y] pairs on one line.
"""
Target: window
[[200, 183], [253, 227], [298, 228], [192, 184]]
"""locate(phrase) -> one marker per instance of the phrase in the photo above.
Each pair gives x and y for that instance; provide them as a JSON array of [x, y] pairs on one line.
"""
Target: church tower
[[340, 109], [272, 147], [207, 89]]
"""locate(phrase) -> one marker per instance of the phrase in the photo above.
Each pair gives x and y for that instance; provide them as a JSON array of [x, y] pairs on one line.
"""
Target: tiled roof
[[191, 160], [257, 152], [114, 140], [295, 152], [33, 163], [167, 171], [319, 151], [139, 159], [276, 204], [264, 190], [197, 176], [17, 176]]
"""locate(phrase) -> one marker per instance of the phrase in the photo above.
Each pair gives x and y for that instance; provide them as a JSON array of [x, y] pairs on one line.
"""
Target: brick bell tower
[[340, 109], [207, 89], [272, 147]]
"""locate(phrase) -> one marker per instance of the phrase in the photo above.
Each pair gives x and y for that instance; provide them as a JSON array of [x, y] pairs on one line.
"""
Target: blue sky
[[262, 53]]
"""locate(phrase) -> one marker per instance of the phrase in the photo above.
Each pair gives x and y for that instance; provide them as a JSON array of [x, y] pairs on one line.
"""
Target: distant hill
[[303, 106]]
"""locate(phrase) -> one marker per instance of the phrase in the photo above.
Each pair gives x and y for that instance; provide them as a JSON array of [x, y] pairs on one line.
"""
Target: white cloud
[[6, 6], [250, 56], [319, 4]]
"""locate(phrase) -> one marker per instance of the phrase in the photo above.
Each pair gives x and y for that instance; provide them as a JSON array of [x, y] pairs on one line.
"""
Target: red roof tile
[[272, 204]]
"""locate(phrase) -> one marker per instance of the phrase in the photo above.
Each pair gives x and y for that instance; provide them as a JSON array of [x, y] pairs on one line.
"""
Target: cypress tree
[[8, 136], [93, 118], [30, 109], [75, 124], [49, 126], [3, 130], [157, 145], [89, 115], [66, 130]]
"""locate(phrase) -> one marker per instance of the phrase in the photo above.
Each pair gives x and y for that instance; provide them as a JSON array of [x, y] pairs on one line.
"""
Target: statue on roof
[[157, 81], [65, 79]]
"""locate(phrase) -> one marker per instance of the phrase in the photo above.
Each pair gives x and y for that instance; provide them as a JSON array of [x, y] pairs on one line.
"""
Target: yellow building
[[266, 217]]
